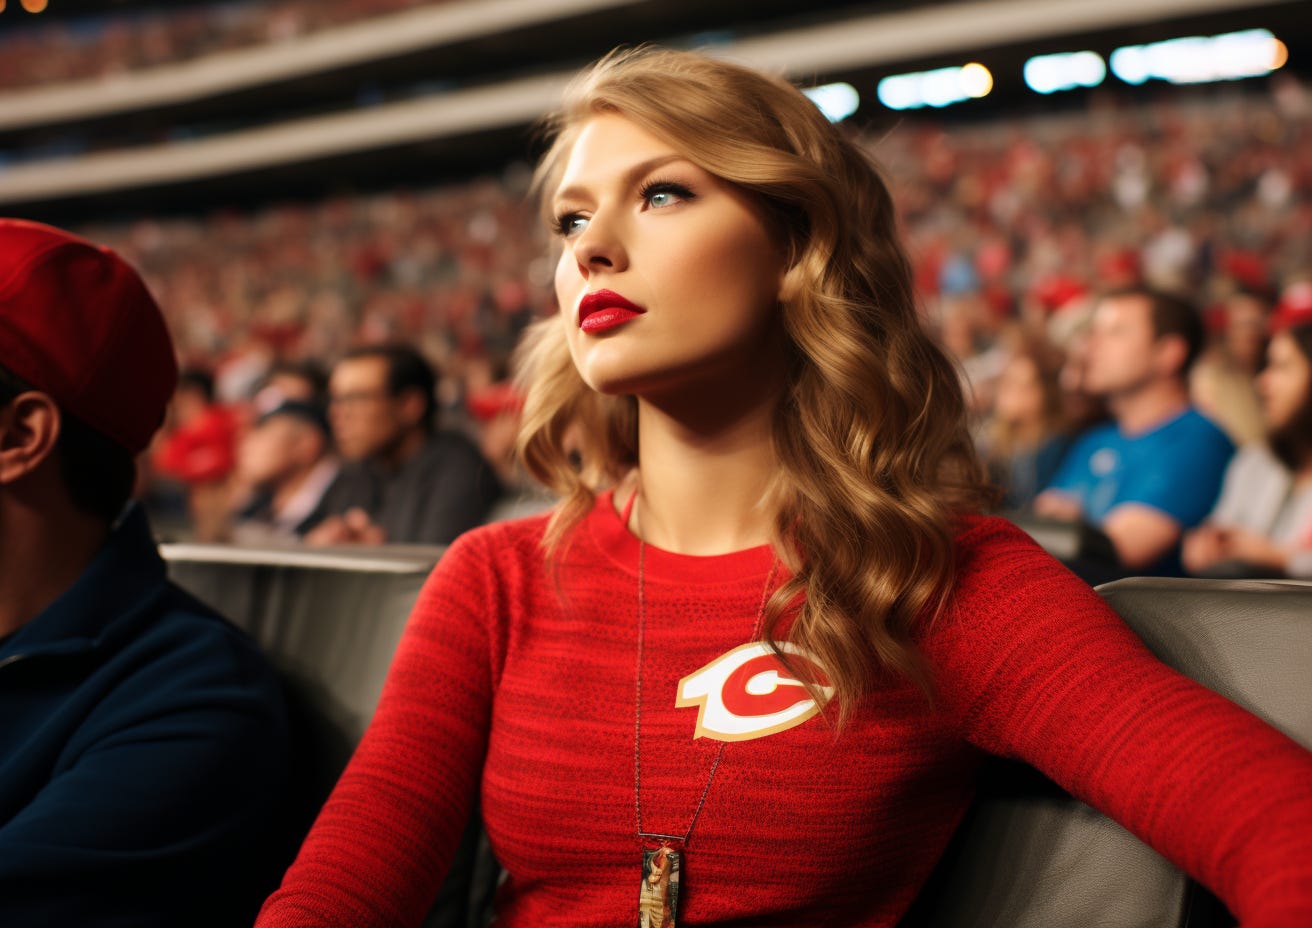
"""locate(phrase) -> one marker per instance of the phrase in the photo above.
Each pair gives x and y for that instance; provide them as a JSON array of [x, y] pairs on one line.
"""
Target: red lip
[[603, 310]]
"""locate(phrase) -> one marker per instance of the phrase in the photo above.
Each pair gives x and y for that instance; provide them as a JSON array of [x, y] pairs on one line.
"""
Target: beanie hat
[[77, 323], [1294, 308], [299, 409]]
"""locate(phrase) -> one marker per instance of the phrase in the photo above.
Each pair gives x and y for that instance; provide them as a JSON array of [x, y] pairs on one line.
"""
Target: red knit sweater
[[523, 684]]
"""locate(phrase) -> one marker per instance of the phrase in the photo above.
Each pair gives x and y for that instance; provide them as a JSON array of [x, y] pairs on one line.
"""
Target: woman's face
[[1245, 330], [1286, 381], [669, 277], [1019, 392]]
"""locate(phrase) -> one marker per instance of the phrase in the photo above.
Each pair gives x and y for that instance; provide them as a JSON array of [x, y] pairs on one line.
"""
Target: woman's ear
[[790, 283], [29, 428]]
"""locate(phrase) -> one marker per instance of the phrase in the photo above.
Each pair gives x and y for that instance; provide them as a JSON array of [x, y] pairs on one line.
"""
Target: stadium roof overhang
[[805, 53]]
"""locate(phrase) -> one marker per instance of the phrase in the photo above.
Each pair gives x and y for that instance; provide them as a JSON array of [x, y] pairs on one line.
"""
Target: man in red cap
[[142, 737]]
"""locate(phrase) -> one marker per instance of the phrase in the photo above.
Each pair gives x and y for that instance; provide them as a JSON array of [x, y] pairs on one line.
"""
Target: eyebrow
[[627, 179]]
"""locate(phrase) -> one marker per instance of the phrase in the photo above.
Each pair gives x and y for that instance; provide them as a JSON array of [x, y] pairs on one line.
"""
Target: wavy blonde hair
[[875, 463]]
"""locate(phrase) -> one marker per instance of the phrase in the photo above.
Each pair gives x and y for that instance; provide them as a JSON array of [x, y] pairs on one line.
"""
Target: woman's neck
[[702, 483]]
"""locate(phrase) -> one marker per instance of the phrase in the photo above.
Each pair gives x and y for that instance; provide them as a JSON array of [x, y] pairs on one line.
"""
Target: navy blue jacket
[[143, 756]]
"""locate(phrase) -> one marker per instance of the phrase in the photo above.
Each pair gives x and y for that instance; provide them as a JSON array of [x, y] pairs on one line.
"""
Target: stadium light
[[937, 88], [836, 101], [1201, 59], [1051, 73]]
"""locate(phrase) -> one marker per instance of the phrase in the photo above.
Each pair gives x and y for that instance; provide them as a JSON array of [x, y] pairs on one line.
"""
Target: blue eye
[[570, 224], [662, 194]]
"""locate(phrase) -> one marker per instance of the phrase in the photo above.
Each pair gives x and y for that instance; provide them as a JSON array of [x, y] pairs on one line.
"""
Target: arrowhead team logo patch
[[748, 693]]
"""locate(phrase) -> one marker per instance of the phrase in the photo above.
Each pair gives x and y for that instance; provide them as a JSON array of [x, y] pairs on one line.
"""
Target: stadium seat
[[330, 620], [1027, 855]]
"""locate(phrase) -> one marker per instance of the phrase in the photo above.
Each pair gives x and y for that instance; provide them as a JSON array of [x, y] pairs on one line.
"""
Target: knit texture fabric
[[521, 683]]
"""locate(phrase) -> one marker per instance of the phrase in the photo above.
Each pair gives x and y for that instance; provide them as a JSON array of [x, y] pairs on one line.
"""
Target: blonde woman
[[765, 631], [1026, 435]]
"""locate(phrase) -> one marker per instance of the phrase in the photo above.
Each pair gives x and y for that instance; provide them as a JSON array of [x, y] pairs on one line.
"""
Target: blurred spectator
[[1295, 305], [144, 765], [1263, 521], [495, 410], [1023, 216], [1069, 331], [1223, 391], [1156, 469], [408, 481], [1025, 438], [300, 382], [1221, 382], [199, 449], [286, 464], [1246, 319], [967, 331], [100, 45]]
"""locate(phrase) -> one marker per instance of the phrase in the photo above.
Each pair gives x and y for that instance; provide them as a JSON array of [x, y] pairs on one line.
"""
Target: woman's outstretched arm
[[380, 848], [1037, 667]]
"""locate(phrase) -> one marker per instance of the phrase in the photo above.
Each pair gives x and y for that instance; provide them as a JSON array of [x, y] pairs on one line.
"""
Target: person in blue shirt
[[144, 768], [1155, 469]]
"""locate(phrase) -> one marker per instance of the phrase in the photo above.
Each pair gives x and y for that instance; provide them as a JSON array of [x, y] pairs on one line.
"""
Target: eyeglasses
[[358, 397]]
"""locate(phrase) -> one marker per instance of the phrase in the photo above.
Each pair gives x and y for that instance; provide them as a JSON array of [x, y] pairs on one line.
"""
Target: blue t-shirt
[[1177, 468]]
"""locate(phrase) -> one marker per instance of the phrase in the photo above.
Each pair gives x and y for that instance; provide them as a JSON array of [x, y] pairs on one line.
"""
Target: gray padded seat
[[1028, 856], [330, 618]]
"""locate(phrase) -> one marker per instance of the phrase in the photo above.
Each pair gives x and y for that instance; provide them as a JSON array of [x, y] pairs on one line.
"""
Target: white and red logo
[[748, 693]]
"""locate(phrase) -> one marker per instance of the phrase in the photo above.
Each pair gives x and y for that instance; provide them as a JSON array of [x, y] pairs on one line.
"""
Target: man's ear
[[413, 404], [30, 425], [1171, 352]]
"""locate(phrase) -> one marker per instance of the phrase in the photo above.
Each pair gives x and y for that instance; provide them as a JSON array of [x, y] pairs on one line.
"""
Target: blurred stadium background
[[295, 176]]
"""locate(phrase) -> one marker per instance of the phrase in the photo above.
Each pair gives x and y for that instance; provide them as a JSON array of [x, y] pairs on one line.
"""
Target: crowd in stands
[[1129, 296], [1014, 228], [50, 51]]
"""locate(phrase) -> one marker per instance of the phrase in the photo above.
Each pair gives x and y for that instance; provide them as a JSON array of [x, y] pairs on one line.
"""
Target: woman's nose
[[598, 247]]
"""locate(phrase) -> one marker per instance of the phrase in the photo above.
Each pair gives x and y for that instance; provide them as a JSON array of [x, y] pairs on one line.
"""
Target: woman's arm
[[384, 840], [1038, 667]]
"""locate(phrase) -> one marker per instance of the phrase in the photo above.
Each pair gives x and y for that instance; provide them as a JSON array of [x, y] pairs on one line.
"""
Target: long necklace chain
[[681, 840]]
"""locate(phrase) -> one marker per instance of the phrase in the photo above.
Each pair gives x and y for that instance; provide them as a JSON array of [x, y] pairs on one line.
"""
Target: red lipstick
[[603, 310]]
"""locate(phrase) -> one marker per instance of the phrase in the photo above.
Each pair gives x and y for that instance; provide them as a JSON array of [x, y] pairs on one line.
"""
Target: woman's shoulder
[[1013, 603], [1255, 460], [998, 563], [505, 539], [979, 534]]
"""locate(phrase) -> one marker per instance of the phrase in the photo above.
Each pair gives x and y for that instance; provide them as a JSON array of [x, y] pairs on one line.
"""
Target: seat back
[[330, 619], [1028, 855]]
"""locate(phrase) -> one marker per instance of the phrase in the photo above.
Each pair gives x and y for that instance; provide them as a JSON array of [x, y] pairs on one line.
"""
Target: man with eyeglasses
[[407, 481]]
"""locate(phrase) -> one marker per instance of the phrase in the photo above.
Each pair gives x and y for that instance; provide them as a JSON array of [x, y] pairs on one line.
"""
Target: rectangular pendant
[[658, 899]]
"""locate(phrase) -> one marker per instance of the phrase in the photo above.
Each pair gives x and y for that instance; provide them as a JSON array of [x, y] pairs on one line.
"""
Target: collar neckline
[[609, 531], [125, 573]]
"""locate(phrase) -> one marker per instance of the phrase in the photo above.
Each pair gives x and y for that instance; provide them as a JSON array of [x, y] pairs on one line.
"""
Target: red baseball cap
[[77, 322], [1294, 308], [492, 401]]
